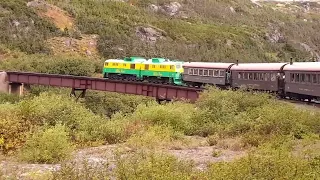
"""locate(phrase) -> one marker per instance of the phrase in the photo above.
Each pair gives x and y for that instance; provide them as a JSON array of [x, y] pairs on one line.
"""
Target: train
[[293, 80]]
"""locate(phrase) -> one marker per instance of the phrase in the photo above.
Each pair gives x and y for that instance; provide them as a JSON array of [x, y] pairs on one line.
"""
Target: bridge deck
[[159, 91]]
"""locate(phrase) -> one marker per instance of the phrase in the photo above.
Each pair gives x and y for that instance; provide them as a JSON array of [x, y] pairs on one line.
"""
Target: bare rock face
[[311, 51], [149, 34], [275, 37], [171, 9], [37, 3]]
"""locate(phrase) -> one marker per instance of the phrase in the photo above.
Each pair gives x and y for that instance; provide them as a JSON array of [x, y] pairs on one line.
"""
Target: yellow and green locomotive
[[154, 70]]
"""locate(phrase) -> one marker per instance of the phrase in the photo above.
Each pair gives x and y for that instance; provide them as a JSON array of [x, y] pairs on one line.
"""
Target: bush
[[66, 65], [107, 104], [13, 128], [152, 166], [266, 164], [177, 115], [48, 146], [8, 98]]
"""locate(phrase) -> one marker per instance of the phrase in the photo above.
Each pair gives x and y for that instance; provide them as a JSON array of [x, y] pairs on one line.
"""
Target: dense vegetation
[[46, 125], [205, 30], [56, 124]]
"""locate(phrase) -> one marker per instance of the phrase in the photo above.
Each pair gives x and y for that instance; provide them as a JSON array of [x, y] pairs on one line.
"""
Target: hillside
[[202, 30]]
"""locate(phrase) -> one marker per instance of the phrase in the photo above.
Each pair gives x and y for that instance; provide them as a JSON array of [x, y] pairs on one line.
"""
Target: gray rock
[[275, 37], [148, 34], [171, 8]]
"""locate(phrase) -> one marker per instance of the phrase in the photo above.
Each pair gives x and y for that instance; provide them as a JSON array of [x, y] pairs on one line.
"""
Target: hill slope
[[202, 30]]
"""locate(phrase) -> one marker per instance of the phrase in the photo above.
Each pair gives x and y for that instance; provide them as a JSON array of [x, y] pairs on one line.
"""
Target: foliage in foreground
[[48, 146], [265, 163], [256, 119]]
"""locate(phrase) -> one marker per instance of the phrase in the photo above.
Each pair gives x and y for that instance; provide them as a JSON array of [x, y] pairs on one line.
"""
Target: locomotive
[[296, 80]]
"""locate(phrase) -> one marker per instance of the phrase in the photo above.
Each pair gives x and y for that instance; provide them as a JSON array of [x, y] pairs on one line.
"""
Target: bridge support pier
[[16, 88], [4, 85], [82, 93]]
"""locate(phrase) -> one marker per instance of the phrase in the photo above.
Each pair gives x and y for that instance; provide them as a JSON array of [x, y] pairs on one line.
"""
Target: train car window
[[273, 77], [291, 77], [303, 78], [190, 71], [255, 76], [314, 78], [239, 75], [195, 72], [210, 72], [171, 67], [221, 73], [308, 80], [146, 67], [266, 77], [216, 73], [250, 76], [200, 72], [153, 66], [205, 72], [245, 76], [297, 77]]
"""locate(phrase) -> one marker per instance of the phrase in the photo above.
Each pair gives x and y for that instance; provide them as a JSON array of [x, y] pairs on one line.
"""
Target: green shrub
[[9, 98], [177, 115], [107, 104], [13, 128], [66, 65], [273, 164], [48, 146], [152, 166], [154, 137]]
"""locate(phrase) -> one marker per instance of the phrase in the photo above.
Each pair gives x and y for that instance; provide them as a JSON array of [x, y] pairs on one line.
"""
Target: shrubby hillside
[[203, 30], [224, 135]]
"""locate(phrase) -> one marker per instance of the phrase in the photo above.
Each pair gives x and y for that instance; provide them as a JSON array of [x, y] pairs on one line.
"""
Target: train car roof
[[258, 67], [303, 66], [217, 65]]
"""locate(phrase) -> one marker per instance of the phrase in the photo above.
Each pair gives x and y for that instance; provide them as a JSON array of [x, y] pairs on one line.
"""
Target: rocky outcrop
[[149, 34], [171, 9], [275, 37]]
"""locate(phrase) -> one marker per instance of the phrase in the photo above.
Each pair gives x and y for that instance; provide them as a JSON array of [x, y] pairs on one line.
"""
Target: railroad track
[[312, 104]]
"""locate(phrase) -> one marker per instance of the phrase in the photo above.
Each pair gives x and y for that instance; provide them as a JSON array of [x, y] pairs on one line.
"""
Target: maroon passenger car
[[200, 73], [258, 76], [302, 80]]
